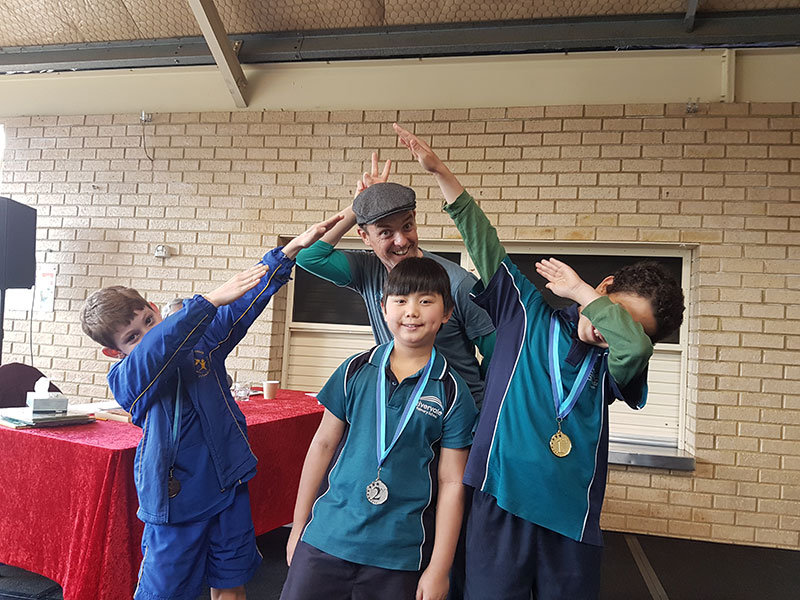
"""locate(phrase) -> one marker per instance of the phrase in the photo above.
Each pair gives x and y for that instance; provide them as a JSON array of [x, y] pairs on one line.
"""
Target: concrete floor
[[635, 567]]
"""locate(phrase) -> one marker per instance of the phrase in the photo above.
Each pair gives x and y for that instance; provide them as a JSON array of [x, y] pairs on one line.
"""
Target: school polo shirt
[[364, 273], [511, 457], [396, 534]]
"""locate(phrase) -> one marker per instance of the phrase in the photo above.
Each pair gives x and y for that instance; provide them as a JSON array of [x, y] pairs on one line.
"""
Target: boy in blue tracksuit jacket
[[194, 460]]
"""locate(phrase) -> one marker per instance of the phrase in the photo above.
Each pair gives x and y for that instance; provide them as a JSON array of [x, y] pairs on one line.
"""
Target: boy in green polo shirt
[[540, 455], [384, 469]]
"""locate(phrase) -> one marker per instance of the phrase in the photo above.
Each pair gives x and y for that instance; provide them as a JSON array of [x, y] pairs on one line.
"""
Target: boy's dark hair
[[419, 275], [107, 309], [654, 282]]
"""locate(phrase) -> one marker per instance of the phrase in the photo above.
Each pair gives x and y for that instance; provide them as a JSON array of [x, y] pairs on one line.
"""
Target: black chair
[[16, 380]]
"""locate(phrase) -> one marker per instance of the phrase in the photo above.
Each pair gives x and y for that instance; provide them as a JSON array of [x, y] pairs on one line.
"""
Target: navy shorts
[[314, 574], [509, 557], [180, 559]]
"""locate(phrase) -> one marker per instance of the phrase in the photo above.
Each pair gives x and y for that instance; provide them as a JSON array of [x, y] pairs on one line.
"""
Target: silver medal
[[377, 492]]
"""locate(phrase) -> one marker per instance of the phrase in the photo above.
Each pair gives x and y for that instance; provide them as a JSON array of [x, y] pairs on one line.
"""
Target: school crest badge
[[201, 366]]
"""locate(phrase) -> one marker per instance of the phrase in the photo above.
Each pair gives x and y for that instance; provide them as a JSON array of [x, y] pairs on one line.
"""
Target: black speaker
[[17, 245]]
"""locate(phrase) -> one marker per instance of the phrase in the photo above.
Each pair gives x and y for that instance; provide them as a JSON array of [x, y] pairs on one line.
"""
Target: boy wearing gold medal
[[539, 460], [385, 467]]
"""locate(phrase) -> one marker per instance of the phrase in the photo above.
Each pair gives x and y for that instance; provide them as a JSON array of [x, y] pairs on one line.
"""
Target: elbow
[[625, 369]]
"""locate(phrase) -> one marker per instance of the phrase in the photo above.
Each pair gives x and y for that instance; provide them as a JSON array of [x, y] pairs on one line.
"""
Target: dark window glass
[[592, 269], [319, 301]]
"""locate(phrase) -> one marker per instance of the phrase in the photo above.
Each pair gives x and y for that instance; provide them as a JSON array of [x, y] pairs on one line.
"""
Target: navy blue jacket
[[196, 340]]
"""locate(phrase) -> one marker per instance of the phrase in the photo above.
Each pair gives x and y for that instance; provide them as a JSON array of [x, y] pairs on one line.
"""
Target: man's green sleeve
[[479, 236], [325, 261]]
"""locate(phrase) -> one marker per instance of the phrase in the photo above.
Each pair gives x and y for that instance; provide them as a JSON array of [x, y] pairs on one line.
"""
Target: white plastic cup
[[271, 389]]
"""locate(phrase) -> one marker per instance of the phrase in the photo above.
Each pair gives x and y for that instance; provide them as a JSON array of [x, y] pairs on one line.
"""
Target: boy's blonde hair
[[107, 309]]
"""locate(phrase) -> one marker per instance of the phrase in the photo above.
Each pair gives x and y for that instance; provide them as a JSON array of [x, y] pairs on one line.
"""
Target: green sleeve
[[629, 348], [485, 344], [325, 261], [479, 236]]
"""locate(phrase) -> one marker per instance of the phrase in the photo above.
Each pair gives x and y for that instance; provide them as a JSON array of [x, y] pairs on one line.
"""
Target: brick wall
[[222, 187]]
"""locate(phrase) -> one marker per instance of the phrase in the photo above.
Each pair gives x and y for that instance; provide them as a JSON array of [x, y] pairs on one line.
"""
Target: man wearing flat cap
[[386, 219]]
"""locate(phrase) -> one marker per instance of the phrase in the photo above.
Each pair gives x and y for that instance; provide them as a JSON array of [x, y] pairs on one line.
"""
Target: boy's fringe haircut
[[419, 275], [107, 309]]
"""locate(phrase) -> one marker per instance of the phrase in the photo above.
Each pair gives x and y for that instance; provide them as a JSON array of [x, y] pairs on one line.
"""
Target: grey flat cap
[[381, 200]]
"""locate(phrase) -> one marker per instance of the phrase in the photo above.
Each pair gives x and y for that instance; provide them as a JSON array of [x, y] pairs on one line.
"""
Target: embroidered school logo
[[431, 406], [201, 364], [594, 376]]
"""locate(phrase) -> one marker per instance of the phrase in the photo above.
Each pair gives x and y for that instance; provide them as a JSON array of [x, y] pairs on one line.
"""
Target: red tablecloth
[[68, 503]]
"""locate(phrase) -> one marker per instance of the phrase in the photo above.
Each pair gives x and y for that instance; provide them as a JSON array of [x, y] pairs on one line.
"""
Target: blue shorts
[[180, 559], [315, 574], [509, 557]]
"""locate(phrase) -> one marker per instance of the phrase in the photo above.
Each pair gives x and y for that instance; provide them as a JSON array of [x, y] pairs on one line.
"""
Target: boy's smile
[[128, 336], [415, 319]]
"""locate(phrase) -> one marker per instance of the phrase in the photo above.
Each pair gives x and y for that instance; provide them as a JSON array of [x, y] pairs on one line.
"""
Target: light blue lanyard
[[176, 421], [380, 400], [565, 405]]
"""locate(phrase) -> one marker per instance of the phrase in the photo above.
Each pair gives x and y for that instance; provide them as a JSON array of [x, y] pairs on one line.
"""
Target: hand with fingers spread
[[372, 177], [310, 235], [236, 286], [565, 282], [420, 150], [427, 158]]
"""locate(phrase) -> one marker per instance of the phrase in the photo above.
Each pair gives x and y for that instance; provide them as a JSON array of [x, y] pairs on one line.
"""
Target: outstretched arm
[[237, 286], [319, 456], [479, 236], [564, 282], [427, 158], [629, 347], [335, 234], [244, 297], [323, 259], [311, 235]]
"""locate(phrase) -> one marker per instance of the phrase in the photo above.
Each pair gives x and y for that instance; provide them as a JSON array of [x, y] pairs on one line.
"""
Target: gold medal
[[560, 444]]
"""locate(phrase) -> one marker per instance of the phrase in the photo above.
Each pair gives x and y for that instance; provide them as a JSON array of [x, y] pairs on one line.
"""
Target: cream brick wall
[[222, 187]]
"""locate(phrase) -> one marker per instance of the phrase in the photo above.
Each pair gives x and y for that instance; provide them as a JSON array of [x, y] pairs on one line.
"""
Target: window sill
[[639, 455]]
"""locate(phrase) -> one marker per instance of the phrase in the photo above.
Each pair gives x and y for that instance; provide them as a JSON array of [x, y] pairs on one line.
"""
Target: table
[[68, 503]]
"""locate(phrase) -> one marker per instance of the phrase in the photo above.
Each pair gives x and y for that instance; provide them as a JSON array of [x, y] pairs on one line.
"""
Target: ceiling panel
[[45, 22]]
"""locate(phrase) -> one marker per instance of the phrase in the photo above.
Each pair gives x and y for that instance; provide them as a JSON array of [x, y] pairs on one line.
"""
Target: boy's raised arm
[[311, 235], [427, 158], [236, 286], [479, 236], [629, 348]]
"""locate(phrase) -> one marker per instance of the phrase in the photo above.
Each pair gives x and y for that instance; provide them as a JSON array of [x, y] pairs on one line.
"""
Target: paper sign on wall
[[44, 290]]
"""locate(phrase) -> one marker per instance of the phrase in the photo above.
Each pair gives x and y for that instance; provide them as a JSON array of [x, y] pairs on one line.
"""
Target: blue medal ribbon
[[563, 405], [173, 485], [176, 420], [380, 401]]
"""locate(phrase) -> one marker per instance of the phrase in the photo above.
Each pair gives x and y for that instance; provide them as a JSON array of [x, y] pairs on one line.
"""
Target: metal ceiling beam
[[214, 33], [691, 13], [732, 30]]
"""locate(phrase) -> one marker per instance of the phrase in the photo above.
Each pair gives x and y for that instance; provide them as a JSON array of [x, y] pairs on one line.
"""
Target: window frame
[[561, 248]]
